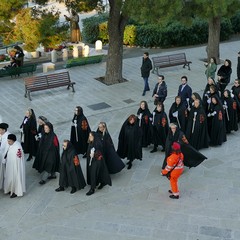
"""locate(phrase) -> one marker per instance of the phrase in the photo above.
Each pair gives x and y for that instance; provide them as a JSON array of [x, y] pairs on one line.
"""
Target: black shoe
[[170, 191], [143, 94], [52, 177], [84, 155], [101, 186], [29, 159], [60, 189], [42, 182], [174, 197], [13, 195], [154, 150], [90, 192], [73, 190], [129, 166]]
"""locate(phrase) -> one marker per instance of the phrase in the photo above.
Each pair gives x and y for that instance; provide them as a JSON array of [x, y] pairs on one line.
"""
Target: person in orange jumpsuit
[[174, 169]]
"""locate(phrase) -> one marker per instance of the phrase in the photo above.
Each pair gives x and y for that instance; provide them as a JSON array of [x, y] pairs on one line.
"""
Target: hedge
[[83, 61], [172, 34]]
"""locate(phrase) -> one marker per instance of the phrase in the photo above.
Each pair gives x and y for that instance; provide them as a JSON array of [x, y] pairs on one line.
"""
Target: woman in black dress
[[224, 75], [144, 114], [70, 170], [178, 114], [97, 172], [129, 140], [47, 159], [80, 131], [113, 161], [29, 131], [159, 127], [230, 112], [216, 122]]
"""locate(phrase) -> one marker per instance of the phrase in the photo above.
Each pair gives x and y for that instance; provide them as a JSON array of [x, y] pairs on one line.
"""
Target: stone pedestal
[[75, 52], [98, 45], [48, 67], [65, 54], [86, 51], [53, 56]]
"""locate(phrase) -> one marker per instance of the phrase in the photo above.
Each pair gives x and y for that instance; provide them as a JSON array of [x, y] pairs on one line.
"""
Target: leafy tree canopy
[[78, 5]]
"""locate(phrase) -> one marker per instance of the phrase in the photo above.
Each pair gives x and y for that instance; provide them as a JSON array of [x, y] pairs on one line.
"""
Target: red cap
[[176, 146]]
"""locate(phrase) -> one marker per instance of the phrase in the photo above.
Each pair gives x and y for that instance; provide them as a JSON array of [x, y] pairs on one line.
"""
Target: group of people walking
[[201, 121], [192, 123], [42, 143]]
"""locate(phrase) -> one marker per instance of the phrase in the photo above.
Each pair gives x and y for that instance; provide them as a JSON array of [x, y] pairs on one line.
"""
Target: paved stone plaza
[[137, 206]]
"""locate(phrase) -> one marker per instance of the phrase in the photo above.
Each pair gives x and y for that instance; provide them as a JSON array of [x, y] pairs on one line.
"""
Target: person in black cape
[[178, 114], [236, 95], [216, 121], [40, 131], [238, 66], [70, 169], [230, 112], [210, 90], [192, 157], [48, 157], [159, 127], [144, 114], [129, 140], [224, 75], [80, 131], [194, 96], [113, 161], [97, 172], [29, 131], [197, 128]]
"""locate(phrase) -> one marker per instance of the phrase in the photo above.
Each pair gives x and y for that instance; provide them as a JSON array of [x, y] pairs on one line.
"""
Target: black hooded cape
[[48, 156], [113, 161], [97, 172], [129, 141], [79, 135], [70, 169], [192, 157]]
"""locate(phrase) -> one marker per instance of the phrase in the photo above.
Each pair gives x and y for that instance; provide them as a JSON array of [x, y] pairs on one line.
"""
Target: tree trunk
[[214, 27], [116, 26]]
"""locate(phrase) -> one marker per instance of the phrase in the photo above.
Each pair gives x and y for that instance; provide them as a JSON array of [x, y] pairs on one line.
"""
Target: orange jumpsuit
[[175, 159]]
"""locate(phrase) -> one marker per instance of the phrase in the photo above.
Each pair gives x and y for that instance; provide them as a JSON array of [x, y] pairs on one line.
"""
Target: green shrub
[[90, 32], [226, 29], [199, 31], [129, 37], [235, 20], [148, 35], [83, 61], [103, 32]]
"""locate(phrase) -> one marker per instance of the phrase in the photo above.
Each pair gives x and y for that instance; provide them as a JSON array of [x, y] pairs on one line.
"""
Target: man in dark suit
[[145, 71], [185, 91]]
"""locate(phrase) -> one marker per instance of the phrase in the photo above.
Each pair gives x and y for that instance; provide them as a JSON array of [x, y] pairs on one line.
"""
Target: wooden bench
[[16, 71], [47, 81], [169, 61]]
